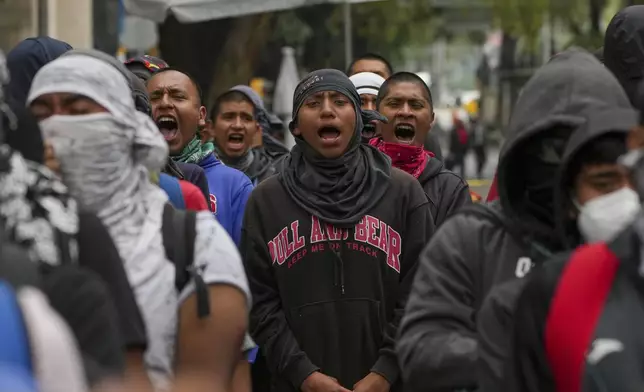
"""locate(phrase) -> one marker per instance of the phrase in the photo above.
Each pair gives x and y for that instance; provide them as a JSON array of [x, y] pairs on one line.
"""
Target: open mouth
[[405, 133], [369, 131], [329, 134], [168, 126], [236, 141]]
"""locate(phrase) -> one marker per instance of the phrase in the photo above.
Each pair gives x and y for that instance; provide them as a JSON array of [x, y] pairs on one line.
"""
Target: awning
[[191, 11]]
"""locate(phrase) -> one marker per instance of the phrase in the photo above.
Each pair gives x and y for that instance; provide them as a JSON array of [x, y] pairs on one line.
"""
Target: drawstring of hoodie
[[338, 266]]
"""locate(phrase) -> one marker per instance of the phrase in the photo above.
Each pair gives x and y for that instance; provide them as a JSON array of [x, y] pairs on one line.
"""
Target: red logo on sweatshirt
[[213, 204], [370, 236]]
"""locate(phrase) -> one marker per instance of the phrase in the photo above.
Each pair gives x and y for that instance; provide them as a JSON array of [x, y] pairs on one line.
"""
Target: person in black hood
[[624, 48], [26, 59], [237, 116], [330, 245], [23, 62], [406, 101], [593, 202], [487, 246]]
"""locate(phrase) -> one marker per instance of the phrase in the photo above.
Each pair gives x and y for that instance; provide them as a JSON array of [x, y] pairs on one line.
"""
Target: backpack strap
[[179, 233], [575, 309]]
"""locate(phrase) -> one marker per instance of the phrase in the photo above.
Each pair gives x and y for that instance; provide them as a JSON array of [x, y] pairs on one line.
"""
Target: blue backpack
[[15, 355], [16, 368], [172, 188]]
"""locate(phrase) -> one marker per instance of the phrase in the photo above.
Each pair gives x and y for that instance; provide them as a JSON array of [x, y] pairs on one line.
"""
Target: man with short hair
[[371, 62], [237, 116], [374, 63], [143, 67], [406, 101], [179, 114]]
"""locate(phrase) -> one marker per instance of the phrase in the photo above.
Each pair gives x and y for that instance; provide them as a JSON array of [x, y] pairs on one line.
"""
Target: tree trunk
[[194, 47], [218, 54], [241, 53]]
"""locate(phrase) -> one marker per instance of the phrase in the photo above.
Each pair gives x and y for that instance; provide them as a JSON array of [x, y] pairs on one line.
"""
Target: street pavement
[[482, 185]]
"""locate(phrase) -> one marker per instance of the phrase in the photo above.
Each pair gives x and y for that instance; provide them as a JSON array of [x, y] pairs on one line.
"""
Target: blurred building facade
[[68, 20]]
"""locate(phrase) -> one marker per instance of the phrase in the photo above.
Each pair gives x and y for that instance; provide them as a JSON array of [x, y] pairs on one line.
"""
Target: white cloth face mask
[[95, 155], [604, 217]]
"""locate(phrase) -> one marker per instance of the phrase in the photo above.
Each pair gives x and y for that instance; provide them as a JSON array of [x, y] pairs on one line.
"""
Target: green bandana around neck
[[195, 151]]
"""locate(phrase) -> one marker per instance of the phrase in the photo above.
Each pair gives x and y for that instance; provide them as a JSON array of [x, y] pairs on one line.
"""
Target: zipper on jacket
[[338, 265]]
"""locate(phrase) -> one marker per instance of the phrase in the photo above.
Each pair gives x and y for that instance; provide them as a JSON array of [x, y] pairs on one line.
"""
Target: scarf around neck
[[38, 212], [242, 163], [341, 190], [195, 151], [411, 159]]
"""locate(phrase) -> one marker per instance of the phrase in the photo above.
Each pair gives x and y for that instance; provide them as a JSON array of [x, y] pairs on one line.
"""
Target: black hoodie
[[607, 110], [330, 299], [446, 191], [486, 246], [624, 48], [601, 102], [263, 165]]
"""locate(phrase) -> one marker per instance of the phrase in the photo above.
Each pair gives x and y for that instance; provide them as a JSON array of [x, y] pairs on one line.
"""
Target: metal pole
[[42, 25], [348, 36]]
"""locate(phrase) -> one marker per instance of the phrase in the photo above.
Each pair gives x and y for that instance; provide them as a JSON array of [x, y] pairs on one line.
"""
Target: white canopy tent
[[192, 11], [284, 89]]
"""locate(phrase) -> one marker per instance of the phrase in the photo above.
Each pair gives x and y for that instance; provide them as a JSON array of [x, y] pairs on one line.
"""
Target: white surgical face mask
[[604, 217]]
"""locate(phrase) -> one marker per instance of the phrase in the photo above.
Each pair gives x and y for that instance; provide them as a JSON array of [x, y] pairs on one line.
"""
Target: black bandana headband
[[332, 80]]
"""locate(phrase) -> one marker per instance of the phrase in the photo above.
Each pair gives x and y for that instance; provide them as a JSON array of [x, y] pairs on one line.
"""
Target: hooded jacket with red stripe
[[597, 98], [613, 354]]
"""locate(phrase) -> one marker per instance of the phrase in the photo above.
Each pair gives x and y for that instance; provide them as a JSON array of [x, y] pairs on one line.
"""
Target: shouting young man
[[374, 63], [179, 114], [330, 246], [406, 101], [237, 116]]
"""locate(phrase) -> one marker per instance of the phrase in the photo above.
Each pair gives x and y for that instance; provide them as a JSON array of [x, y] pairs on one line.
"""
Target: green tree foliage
[[524, 19], [389, 26], [385, 27]]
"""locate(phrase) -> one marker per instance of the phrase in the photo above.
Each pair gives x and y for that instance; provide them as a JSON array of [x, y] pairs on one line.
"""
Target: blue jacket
[[229, 191]]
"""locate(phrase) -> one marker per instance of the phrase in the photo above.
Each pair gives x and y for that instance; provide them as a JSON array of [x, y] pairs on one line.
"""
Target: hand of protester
[[318, 382], [374, 382]]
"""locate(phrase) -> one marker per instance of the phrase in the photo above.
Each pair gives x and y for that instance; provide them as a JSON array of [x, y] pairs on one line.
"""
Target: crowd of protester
[[150, 243]]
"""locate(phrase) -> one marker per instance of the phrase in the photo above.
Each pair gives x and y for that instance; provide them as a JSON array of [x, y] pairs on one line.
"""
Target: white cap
[[367, 82]]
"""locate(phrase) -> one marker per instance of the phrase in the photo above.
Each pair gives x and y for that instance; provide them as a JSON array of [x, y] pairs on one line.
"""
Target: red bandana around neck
[[411, 159]]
